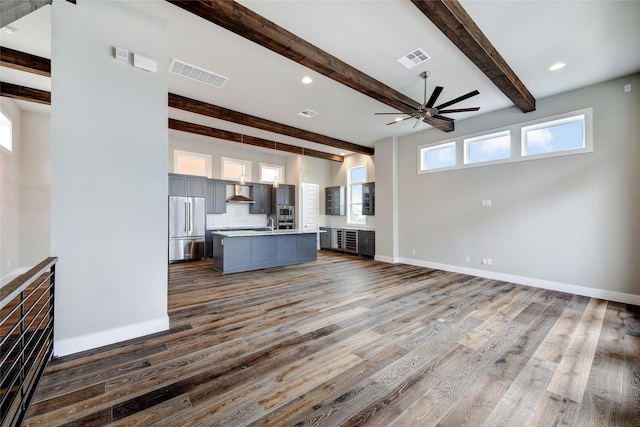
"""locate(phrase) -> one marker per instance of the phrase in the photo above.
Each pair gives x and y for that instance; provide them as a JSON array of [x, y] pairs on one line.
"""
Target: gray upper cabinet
[[285, 195], [334, 200], [185, 185], [261, 195], [216, 196], [369, 198]]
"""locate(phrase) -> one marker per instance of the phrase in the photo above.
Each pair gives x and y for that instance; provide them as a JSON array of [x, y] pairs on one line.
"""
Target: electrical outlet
[[627, 88], [489, 261], [413, 251], [468, 258]]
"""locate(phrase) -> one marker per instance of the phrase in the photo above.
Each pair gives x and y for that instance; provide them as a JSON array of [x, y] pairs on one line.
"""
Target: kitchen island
[[235, 251]]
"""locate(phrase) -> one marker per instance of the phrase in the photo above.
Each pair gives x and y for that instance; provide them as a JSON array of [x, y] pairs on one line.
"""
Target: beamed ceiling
[[350, 48]]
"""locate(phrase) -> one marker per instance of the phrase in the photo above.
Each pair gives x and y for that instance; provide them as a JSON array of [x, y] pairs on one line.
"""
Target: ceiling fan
[[427, 112]]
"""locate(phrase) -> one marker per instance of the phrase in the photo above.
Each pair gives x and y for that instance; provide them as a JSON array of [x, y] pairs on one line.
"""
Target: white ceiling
[[599, 40]]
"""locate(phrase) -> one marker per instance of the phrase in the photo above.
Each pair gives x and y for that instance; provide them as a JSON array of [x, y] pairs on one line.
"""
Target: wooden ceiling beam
[[451, 18], [249, 140], [248, 24], [210, 110], [23, 93], [42, 66], [25, 62]]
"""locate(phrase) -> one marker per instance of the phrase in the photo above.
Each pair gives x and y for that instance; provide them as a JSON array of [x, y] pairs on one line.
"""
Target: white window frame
[[279, 172], [350, 185], [518, 142], [6, 141], [177, 154], [468, 141], [585, 116], [224, 174], [422, 166]]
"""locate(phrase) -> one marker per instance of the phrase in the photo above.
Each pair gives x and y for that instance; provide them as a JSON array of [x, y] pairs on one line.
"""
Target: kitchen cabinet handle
[[186, 217], [190, 219]]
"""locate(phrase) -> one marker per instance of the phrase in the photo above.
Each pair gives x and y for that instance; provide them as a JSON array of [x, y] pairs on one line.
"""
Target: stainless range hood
[[240, 195]]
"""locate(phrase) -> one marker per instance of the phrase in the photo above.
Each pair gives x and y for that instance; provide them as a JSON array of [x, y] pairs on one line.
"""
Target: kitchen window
[[271, 173], [6, 133], [233, 169], [356, 176], [189, 163]]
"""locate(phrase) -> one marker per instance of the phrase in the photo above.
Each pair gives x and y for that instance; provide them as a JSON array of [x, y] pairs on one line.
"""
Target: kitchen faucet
[[270, 220]]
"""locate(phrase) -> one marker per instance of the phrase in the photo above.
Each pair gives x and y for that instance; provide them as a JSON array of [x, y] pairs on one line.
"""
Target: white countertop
[[249, 233]]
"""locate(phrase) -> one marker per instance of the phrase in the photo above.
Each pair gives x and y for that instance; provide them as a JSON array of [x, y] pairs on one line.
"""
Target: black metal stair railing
[[26, 338]]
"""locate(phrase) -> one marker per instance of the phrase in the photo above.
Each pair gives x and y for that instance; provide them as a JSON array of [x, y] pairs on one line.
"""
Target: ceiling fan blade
[[434, 96], [401, 120], [379, 114], [416, 123], [458, 99], [459, 110], [439, 117]]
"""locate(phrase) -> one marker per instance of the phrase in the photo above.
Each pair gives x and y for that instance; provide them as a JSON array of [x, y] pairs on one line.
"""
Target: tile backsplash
[[237, 215]]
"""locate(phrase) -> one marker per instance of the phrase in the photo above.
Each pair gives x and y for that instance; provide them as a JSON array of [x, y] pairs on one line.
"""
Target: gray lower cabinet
[[325, 238], [360, 242], [366, 243], [244, 253]]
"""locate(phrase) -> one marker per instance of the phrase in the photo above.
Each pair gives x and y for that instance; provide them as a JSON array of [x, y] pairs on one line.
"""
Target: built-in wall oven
[[286, 217]]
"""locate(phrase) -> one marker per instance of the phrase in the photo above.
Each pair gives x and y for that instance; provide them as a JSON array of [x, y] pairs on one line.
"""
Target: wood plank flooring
[[349, 341]]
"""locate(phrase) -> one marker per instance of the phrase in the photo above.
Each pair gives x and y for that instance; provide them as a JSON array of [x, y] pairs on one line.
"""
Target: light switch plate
[[121, 54]]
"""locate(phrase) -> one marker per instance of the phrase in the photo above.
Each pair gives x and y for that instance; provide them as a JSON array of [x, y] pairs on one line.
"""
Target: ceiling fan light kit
[[429, 113]]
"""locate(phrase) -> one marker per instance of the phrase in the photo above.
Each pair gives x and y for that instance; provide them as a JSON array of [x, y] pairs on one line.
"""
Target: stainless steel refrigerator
[[186, 228]]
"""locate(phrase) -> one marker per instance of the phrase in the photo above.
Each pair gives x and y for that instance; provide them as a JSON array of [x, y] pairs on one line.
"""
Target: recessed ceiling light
[[307, 80], [9, 29], [557, 66]]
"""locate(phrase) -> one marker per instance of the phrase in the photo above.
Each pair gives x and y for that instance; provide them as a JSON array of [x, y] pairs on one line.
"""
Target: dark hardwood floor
[[349, 341]]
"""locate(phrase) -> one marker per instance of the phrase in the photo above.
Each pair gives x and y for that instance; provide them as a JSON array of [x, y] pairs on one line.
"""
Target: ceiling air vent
[[307, 113], [413, 58], [196, 73]]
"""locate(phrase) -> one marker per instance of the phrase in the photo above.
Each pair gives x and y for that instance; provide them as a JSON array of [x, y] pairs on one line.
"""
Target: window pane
[[356, 193], [440, 156], [559, 137], [488, 148], [356, 214], [358, 174], [5, 132], [233, 168]]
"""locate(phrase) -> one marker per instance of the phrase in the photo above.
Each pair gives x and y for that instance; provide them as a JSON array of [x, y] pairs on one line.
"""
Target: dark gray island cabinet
[[235, 251]]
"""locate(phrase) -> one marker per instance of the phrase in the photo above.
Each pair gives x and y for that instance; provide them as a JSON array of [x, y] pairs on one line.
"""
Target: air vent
[[196, 73], [307, 113], [413, 58]]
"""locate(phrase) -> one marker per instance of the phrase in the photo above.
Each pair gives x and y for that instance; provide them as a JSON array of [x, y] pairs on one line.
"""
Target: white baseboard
[[528, 281], [68, 346], [391, 260]]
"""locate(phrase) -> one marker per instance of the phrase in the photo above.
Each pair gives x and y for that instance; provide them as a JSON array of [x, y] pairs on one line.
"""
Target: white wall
[[568, 222], [10, 195], [35, 198], [387, 245], [109, 175]]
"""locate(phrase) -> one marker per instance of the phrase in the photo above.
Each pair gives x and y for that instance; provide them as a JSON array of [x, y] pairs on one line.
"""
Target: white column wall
[[109, 175]]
